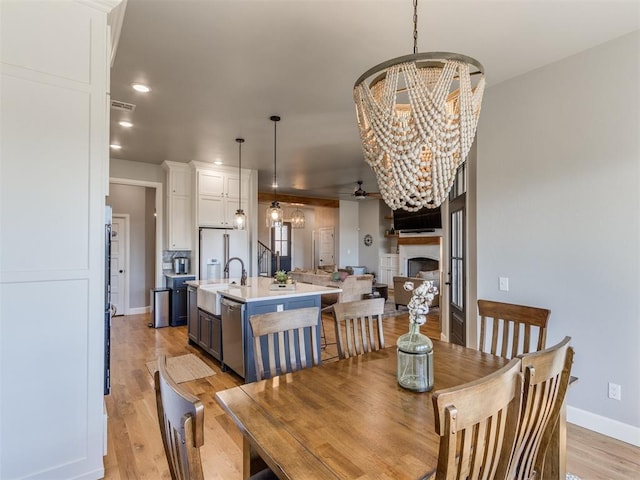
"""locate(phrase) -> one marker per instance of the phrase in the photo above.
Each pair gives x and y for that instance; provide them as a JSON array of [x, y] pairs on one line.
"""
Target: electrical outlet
[[167, 266], [503, 284], [280, 308], [615, 391]]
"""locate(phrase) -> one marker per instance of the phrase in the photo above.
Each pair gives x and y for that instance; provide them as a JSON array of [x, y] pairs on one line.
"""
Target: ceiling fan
[[361, 194]]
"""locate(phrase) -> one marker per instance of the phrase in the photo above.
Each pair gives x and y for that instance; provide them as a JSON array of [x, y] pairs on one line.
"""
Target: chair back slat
[[181, 420], [512, 328], [359, 326], [281, 330], [546, 379], [477, 424]]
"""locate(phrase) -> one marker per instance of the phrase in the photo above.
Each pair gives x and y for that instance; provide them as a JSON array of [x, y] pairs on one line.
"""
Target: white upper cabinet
[[218, 196], [179, 224]]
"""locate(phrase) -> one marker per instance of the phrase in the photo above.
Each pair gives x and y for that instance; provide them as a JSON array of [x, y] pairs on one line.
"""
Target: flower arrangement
[[281, 276], [420, 300]]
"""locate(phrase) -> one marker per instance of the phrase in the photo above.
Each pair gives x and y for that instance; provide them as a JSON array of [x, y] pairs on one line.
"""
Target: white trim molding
[[605, 426], [139, 310]]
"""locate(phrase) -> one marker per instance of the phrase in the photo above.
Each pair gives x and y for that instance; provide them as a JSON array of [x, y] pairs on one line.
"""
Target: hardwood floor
[[135, 448]]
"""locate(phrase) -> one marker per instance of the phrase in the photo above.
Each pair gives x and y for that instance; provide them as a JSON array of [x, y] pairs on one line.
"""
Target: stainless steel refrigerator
[[217, 246]]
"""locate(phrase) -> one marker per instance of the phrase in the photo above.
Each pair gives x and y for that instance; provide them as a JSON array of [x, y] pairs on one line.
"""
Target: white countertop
[[258, 289], [179, 275]]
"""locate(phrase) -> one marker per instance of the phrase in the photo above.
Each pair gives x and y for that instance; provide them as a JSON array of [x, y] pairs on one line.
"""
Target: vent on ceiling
[[118, 105]]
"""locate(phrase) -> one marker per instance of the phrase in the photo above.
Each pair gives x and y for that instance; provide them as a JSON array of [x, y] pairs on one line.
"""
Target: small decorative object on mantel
[[415, 351]]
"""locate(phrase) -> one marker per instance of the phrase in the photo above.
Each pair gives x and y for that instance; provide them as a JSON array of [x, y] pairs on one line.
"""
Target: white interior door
[[326, 248], [119, 263]]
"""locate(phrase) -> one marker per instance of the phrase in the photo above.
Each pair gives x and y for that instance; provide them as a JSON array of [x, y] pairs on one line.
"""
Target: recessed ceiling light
[[217, 162], [115, 146], [126, 124], [139, 87]]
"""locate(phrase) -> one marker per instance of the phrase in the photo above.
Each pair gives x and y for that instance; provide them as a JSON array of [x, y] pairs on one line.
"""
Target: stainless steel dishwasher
[[232, 335]]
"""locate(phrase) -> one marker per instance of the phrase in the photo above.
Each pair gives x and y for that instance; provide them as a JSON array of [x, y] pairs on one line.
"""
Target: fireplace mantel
[[430, 240]]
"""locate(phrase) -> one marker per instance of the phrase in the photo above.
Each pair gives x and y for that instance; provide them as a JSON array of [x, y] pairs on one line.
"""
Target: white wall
[[370, 223], [348, 235], [53, 164], [137, 171], [558, 213]]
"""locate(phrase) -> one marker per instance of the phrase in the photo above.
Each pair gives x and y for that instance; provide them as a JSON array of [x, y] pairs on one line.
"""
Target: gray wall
[[558, 213], [348, 234], [139, 203]]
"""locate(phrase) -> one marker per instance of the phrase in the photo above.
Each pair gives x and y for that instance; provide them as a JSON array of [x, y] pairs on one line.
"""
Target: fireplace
[[421, 264]]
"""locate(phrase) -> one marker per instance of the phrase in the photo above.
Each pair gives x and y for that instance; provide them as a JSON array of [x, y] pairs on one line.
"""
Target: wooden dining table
[[348, 419]]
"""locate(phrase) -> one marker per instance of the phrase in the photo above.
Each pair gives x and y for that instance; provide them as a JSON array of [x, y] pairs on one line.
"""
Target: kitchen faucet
[[243, 278]]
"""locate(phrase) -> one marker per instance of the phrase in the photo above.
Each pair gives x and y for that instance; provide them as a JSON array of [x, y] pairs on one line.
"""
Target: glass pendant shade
[[240, 220], [297, 219], [274, 215]]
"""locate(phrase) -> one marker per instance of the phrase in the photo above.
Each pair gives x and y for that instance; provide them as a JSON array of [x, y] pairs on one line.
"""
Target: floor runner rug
[[183, 368]]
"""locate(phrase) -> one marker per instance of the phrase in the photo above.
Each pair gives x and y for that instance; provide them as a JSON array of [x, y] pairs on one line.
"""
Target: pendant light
[[297, 218], [417, 117], [274, 212], [240, 222]]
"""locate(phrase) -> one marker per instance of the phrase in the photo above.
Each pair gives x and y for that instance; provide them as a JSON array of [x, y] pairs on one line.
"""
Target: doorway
[[326, 247], [119, 264], [281, 247]]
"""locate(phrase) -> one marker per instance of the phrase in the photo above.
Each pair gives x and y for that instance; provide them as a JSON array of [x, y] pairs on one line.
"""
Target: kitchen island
[[229, 306]]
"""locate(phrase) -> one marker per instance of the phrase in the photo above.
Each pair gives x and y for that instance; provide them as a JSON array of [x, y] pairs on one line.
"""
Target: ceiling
[[218, 69]]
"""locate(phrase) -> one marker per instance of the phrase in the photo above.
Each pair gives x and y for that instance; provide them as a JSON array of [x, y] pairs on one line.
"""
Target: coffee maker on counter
[[180, 265]]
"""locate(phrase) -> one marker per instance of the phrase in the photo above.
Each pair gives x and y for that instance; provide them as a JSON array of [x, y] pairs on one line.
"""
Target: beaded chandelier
[[417, 115]]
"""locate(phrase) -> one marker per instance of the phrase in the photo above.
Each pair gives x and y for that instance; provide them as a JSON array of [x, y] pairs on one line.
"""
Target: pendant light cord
[[415, 27], [275, 120], [240, 141]]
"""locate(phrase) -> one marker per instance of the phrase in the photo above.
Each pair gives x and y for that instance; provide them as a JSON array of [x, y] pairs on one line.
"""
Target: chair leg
[[323, 337]]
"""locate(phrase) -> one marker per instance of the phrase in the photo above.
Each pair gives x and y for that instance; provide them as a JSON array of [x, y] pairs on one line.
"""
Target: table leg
[[555, 460], [252, 462]]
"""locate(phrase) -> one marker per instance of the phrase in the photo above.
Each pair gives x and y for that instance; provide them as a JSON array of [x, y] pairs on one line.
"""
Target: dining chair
[[181, 419], [359, 326], [546, 379], [291, 340], [477, 425], [513, 328]]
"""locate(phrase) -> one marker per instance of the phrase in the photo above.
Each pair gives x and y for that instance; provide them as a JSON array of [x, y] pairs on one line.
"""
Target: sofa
[[402, 297], [353, 286]]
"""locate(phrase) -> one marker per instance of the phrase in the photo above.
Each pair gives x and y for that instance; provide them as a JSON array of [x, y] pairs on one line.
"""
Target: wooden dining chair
[[359, 326], [515, 329], [291, 340], [546, 379], [477, 425], [181, 418]]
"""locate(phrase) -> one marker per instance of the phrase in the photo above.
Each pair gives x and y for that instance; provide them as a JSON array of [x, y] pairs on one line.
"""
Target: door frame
[[126, 254], [159, 278]]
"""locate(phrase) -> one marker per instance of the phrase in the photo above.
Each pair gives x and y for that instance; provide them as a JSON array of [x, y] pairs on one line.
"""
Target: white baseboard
[[138, 311], [605, 426]]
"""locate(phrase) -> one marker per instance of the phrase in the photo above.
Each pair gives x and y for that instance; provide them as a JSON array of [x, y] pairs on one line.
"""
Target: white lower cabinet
[[389, 268]]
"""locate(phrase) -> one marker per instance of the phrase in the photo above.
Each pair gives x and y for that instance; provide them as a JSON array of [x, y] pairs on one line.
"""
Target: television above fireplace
[[424, 220]]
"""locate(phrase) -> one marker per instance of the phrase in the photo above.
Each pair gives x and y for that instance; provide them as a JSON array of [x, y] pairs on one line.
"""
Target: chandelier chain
[[415, 26]]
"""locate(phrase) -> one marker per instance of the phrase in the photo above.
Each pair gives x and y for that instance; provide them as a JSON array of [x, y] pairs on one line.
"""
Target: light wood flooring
[[135, 448]]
